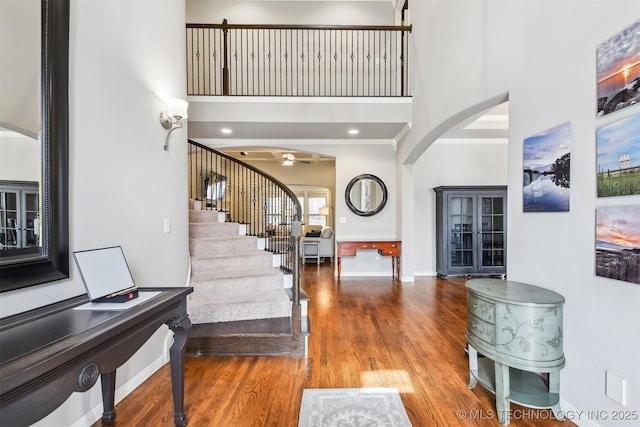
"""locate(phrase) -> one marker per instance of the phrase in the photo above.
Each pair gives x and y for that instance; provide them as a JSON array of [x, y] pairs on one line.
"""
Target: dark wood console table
[[48, 353], [385, 247]]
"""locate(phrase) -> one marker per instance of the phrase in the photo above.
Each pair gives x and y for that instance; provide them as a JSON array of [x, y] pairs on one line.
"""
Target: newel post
[[225, 65], [297, 340]]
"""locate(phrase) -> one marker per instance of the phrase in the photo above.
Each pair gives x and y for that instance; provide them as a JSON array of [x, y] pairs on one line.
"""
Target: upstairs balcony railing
[[290, 60]]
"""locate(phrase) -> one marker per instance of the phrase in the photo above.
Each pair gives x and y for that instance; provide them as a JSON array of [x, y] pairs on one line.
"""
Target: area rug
[[352, 407]]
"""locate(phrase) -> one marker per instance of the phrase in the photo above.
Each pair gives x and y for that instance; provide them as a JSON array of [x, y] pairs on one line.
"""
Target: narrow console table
[[48, 353], [517, 330], [386, 248]]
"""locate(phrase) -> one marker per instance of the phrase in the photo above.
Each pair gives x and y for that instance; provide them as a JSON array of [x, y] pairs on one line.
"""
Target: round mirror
[[366, 195]]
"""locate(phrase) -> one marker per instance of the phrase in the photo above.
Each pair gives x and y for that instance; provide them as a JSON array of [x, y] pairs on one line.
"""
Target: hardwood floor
[[365, 332]]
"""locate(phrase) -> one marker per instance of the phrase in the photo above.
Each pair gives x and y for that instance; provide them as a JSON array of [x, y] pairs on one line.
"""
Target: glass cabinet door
[[492, 231], [461, 221], [31, 219], [471, 230], [8, 219], [19, 215]]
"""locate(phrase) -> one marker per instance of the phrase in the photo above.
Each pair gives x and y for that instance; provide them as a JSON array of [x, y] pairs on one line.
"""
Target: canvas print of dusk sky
[[618, 154], [547, 164], [618, 243], [619, 71]]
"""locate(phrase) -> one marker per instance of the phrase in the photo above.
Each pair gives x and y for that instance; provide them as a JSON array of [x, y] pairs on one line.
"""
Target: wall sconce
[[172, 118]]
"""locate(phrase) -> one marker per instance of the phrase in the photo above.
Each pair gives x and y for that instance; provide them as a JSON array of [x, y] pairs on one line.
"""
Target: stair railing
[[246, 195], [297, 60]]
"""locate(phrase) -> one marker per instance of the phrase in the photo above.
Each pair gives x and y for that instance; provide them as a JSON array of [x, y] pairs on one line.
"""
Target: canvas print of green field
[[618, 243], [618, 154]]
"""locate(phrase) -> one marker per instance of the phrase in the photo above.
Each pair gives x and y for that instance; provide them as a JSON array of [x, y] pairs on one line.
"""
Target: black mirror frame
[[53, 263], [354, 181]]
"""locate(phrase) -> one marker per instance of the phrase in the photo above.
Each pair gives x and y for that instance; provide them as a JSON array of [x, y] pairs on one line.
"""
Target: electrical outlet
[[615, 388], [167, 225]]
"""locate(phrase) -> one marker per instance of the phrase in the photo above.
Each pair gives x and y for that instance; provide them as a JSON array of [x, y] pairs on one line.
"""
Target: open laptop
[[106, 275]]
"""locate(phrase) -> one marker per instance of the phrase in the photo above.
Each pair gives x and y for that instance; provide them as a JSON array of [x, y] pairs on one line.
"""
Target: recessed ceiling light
[[353, 131], [226, 130]]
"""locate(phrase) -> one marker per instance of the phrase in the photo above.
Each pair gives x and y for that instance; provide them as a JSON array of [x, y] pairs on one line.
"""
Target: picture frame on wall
[[618, 243], [618, 157], [618, 71], [546, 170]]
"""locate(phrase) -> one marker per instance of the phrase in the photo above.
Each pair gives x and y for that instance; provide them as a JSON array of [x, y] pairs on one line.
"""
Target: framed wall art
[[618, 243], [618, 74], [618, 157], [546, 174]]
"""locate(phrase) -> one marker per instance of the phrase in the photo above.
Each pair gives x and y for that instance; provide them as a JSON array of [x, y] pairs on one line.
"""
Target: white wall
[[291, 12], [450, 162], [20, 65], [124, 60], [543, 54], [19, 157]]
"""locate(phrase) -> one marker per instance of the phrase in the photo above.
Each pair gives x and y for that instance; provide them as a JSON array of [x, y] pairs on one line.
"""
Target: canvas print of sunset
[[618, 243], [547, 167], [619, 71]]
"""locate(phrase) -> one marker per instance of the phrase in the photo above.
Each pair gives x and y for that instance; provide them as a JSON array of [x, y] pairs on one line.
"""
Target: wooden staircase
[[242, 299]]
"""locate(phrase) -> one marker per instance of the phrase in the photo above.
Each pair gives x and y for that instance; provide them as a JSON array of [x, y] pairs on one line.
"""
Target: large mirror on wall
[[34, 123], [366, 195]]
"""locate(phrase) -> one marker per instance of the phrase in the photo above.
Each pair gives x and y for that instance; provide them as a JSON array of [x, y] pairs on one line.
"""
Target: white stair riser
[[288, 281]]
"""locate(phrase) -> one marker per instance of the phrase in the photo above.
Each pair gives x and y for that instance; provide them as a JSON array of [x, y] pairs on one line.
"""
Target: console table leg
[[180, 328], [502, 392], [473, 367], [554, 387], [108, 382]]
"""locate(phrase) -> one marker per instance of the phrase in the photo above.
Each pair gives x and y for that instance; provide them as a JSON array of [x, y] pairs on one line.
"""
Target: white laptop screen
[[103, 271]]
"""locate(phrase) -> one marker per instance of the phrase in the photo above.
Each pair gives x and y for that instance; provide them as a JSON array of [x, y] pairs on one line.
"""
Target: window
[[312, 200], [314, 217]]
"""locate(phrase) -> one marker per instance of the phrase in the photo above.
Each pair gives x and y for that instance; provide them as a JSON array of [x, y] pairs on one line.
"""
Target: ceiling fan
[[288, 159]]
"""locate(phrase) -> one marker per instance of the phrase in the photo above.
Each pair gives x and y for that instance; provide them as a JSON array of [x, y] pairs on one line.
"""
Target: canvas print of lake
[[618, 154], [547, 164], [618, 243], [618, 71]]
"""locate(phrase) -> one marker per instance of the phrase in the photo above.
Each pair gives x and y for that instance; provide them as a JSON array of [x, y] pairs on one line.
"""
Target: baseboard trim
[[583, 418], [365, 274]]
